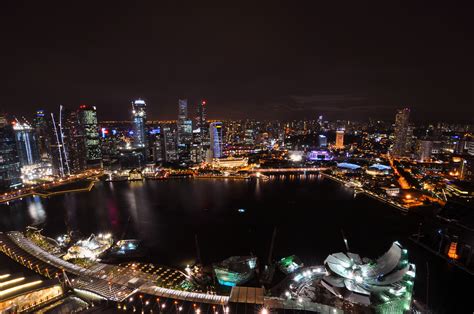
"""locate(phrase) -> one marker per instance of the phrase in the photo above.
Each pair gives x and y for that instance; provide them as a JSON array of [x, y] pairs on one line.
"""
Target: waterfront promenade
[[110, 282]]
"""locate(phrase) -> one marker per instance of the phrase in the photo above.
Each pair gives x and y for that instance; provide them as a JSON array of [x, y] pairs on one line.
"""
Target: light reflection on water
[[308, 211], [36, 211]]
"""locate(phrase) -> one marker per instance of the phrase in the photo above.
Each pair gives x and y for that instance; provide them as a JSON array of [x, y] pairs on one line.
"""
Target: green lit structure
[[290, 264], [235, 270], [385, 284]]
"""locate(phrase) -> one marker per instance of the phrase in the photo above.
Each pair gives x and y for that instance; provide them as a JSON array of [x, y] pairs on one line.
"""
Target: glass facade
[[10, 174], [215, 130], [27, 144], [88, 122]]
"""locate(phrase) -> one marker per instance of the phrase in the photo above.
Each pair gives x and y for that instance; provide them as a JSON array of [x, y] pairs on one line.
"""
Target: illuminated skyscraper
[[401, 133], [201, 134], [340, 138], [185, 131], [139, 122], [42, 131], [10, 174], [215, 130], [74, 142], [27, 144], [87, 116], [169, 138]]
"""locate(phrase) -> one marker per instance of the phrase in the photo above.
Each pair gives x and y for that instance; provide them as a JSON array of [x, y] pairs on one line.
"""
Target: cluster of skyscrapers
[[184, 142], [65, 143], [70, 141]]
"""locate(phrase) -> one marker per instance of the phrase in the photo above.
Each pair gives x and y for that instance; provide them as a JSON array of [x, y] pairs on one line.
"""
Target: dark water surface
[[308, 211]]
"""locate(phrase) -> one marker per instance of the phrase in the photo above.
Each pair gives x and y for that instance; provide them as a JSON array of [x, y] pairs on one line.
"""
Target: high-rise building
[[201, 134], [340, 138], [215, 131], [322, 140], [40, 124], [169, 138], [87, 116], [185, 131], [10, 172], [26, 143], [74, 142], [59, 142], [401, 133], [139, 123]]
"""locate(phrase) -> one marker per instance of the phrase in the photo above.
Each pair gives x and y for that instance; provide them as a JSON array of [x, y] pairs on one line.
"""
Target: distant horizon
[[125, 111]]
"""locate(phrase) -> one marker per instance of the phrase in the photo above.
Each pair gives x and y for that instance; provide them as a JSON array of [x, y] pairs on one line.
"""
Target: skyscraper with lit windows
[[27, 144], [42, 130], [87, 116], [401, 132], [215, 131], [139, 125], [10, 173], [185, 131]]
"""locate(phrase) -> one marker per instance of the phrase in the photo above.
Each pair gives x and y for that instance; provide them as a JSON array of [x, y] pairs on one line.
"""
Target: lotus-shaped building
[[385, 283]]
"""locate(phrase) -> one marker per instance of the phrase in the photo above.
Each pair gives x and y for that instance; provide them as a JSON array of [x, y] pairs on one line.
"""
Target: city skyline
[[264, 61], [228, 158]]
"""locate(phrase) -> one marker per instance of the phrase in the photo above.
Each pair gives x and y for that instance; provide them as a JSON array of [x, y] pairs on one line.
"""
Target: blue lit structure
[[349, 166], [215, 130]]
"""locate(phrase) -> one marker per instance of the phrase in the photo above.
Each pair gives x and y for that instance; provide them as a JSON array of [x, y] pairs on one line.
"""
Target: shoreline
[[368, 193]]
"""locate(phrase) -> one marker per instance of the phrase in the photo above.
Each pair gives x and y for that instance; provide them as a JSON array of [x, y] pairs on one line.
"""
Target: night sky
[[270, 60]]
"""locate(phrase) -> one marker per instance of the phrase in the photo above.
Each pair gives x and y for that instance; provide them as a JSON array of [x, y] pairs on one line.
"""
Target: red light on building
[[203, 102], [82, 106]]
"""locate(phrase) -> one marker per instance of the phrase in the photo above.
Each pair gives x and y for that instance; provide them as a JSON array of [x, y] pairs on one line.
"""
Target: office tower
[[401, 133], [340, 138], [185, 131], [42, 130], [10, 173], [74, 142], [169, 138], [201, 134], [26, 143], [139, 123], [215, 131], [87, 116], [322, 140]]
